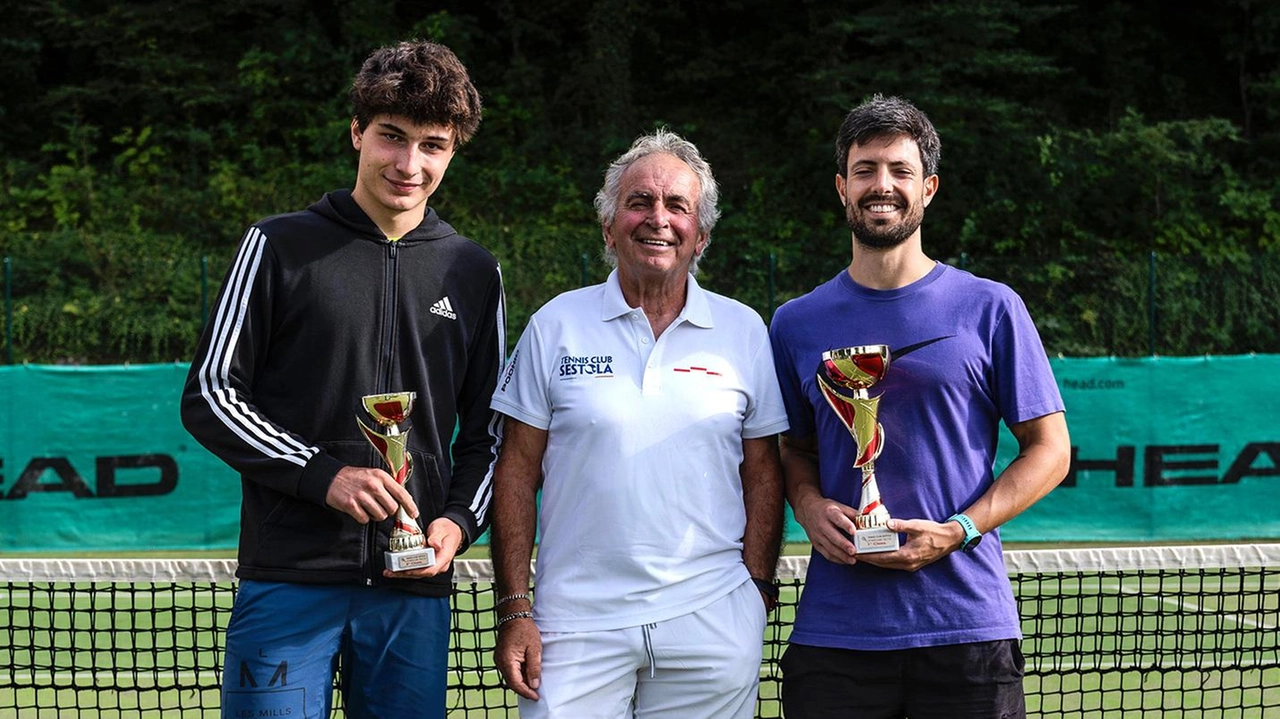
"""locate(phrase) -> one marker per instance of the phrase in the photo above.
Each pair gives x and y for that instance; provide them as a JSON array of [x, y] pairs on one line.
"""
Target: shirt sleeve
[[524, 392], [1024, 381], [765, 413], [799, 410]]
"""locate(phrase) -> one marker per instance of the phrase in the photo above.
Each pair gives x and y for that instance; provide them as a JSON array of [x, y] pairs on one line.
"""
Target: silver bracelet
[[511, 598], [514, 615]]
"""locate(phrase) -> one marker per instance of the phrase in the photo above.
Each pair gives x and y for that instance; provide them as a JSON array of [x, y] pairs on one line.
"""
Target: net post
[[1151, 304], [204, 291], [8, 311], [773, 284]]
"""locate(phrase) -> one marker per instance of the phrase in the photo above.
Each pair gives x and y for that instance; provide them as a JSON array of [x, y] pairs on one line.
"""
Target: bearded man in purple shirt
[[929, 629]]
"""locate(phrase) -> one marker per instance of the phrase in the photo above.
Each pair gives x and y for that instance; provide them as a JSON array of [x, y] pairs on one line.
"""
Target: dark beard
[[883, 237]]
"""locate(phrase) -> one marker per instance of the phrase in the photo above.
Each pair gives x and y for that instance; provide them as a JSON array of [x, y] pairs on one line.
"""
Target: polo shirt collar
[[697, 310]]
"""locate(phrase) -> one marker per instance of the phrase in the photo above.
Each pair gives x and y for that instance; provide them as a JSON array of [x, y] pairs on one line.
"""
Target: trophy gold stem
[[871, 512], [406, 534], [858, 414]]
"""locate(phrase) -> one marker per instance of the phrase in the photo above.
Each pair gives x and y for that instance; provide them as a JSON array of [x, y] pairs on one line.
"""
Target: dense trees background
[[1078, 139]]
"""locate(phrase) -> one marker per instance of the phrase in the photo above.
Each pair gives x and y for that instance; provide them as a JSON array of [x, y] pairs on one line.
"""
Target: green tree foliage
[[1077, 139]]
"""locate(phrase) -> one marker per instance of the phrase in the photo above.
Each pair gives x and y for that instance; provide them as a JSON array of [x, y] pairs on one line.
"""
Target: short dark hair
[[423, 81], [882, 117]]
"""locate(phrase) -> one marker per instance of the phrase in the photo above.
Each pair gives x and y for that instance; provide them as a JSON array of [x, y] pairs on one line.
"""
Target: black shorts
[[981, 680]]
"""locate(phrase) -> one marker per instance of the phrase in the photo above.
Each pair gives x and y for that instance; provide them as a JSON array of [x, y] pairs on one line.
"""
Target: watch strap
[[971, 534]]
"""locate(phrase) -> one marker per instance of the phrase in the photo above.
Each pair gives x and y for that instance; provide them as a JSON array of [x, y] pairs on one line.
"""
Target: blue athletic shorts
[[286, 641]]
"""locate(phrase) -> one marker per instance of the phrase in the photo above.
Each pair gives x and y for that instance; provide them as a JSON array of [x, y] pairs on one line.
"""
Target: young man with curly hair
[[365, 292]]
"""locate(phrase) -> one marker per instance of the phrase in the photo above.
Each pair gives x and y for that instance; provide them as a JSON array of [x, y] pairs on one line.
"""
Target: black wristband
[[769, 589]]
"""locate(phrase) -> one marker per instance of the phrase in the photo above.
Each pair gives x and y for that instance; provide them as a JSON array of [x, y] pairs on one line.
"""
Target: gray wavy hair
[[661, 141]]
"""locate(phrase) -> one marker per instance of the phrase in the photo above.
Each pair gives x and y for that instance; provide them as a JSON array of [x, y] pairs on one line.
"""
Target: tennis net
[[1117, 632]]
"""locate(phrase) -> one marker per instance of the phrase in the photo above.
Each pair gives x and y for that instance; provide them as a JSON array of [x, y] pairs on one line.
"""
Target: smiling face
[[401, 165], [885, 191], [654, 231]]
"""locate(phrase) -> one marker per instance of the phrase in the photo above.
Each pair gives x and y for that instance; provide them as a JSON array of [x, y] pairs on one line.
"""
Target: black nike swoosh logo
[[895, 355]]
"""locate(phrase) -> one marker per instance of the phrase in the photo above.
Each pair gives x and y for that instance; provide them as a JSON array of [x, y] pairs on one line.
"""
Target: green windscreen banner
[[95, 459], [1165, 448]]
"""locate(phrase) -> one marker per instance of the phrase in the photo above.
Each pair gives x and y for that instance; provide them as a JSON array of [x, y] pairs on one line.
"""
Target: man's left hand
[[927, 542], [444, 536]]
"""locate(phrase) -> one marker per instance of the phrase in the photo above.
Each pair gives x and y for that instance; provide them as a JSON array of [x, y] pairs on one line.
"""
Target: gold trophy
[[408, 547], [857, 369]]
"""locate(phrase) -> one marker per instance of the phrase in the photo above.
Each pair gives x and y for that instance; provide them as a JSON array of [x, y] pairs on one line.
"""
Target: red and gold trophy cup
[[408, 546], [857, 369]]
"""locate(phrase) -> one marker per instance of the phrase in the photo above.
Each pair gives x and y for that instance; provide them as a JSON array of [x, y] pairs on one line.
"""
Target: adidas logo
[[444, 308]]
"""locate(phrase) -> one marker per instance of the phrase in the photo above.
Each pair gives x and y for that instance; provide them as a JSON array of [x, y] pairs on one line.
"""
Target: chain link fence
[[1084, 307], [1143, 306]]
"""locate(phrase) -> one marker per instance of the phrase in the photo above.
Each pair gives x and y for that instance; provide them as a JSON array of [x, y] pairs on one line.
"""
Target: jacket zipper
[[390, 298], [390, 293]]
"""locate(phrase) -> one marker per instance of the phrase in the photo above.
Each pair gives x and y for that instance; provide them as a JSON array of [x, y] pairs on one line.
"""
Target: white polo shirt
[[641, 517]]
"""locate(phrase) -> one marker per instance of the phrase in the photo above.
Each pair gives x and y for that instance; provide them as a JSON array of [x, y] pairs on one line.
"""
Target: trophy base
[[877, 539], [411, 559]]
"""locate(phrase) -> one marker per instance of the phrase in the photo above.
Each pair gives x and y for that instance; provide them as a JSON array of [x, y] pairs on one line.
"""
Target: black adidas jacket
[[317, 310]]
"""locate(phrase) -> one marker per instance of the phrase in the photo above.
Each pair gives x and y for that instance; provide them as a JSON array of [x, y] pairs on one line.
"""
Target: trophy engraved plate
[[857, 369], [408, 547]]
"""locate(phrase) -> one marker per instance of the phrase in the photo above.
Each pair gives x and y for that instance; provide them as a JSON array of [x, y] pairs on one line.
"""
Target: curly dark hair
[[882, 117], [423, 81]]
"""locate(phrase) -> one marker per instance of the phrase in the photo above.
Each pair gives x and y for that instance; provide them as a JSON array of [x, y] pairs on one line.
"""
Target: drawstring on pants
[[648, 649]]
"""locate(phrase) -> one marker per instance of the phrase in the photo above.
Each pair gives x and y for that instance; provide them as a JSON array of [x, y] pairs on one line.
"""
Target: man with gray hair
[[646, 409]]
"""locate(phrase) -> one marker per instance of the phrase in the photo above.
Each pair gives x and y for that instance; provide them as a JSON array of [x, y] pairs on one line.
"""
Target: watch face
[[972, 542]]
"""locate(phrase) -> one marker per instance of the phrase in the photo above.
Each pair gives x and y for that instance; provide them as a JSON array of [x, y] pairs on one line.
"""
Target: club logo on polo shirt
[[585, 366]]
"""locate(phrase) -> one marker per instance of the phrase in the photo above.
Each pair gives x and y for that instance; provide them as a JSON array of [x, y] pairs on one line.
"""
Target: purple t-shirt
[[965, 355]]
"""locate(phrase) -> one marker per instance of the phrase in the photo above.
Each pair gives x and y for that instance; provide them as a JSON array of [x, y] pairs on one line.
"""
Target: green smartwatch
[[971, 534]]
